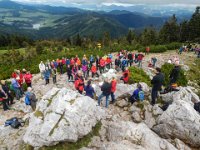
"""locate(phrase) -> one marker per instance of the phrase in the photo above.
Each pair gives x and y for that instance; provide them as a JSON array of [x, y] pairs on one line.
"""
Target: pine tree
[[194, 26], [170, 31], [130, 36], [149, 36]]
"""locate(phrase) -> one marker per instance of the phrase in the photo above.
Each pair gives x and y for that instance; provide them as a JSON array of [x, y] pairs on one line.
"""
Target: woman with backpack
[[30, 98], [138, 94]]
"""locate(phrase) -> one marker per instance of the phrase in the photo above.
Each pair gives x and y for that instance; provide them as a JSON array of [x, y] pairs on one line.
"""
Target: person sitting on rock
[[135, 96], [125, 76], [89, 90], [157, 83], [106, 91], [79, 82]]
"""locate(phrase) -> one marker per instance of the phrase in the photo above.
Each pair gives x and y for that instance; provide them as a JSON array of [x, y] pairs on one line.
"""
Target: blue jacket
[[89, 91], [15, 84], [136, 94], [67, 62], [47, 74], [55, 64]]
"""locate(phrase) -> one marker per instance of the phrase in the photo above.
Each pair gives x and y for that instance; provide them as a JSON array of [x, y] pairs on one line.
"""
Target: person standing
[[42, 69], [140, 58], [106, 91], [16, 87], [31, 96], [54, 74], [174, 75], [97, 62], [69, 73], [6, 89], [47, 75], [3, 99], [157, 83], [94, 71], [113, 89], [130, 58], [28, 78], [147, 50]]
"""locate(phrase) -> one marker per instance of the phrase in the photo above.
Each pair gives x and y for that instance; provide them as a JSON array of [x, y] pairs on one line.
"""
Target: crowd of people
[[82, 71]]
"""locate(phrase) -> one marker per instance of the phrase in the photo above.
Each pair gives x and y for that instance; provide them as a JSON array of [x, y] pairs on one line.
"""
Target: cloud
[[175, 3]]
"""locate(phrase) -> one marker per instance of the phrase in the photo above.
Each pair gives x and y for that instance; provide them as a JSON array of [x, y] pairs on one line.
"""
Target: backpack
[[141, 95], [124, 62], [27, 100], [14, 123]]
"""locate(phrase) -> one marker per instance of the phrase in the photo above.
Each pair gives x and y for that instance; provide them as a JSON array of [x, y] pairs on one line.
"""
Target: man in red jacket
[[28, 78], [94, 71], [102, 65], [113, 89]]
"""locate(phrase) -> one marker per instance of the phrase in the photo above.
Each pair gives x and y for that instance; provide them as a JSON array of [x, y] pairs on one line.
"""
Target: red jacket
[[20, 79], [108, 60], [63, 61], [93, 69], [140, 56], [114, 85], [28, 78], [14, 75], [79, 83], [102, 63], [72, 62], [126, 76]]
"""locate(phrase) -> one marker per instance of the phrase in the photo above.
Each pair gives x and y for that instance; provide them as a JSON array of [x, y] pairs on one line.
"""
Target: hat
[[24, 70], [3, 82]]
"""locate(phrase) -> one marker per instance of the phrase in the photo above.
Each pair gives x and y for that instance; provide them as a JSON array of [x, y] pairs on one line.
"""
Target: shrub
[[138, 75], [167, 68], [155, 49], [173, 46]]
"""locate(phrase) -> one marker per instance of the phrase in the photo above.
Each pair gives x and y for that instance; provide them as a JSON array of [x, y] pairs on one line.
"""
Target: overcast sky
[[118, 2]]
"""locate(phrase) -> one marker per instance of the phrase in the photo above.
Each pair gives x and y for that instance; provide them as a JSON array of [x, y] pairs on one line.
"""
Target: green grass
[[83, 142], [38, 114]]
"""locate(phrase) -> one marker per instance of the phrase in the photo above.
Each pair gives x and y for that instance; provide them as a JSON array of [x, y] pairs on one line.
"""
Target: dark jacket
[[175, 74], [69, 71], [157, 81], [6, 88], [117, 62], [130, 56], [106, 88]]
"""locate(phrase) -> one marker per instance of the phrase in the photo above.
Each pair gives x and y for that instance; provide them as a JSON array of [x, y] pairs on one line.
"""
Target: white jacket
[[41, 67]]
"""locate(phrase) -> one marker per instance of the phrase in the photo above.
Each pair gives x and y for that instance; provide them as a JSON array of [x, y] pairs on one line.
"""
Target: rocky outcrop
[[129, 135], [185, 94], [180, 121], [62, 115]]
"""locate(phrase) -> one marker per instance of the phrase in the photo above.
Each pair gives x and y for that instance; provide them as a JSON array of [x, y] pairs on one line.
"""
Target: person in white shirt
[[42, 68]]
